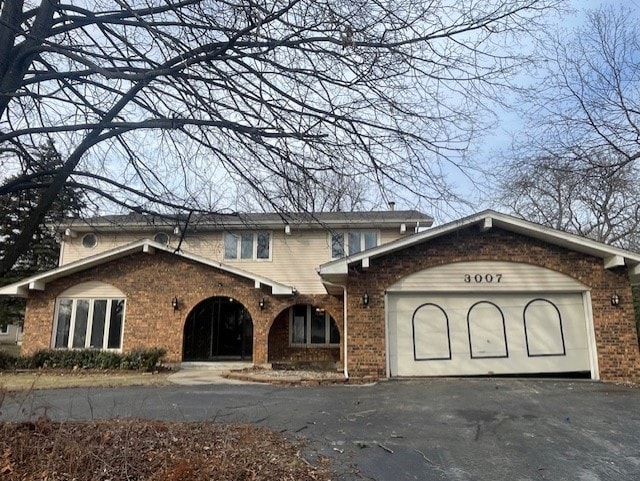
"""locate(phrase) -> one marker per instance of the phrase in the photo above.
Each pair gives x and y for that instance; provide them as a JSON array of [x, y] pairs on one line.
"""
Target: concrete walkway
[[202, 373]]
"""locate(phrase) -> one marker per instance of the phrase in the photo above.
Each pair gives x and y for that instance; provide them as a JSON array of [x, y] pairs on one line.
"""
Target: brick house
[[369, 293]]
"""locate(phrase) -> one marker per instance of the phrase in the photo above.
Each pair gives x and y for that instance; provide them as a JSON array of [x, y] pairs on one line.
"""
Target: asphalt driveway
[[451, 429]]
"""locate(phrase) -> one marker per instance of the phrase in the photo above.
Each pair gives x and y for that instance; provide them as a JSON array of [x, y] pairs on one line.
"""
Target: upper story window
[[89, 241], [247, 245], [161, 238], [351, 242]]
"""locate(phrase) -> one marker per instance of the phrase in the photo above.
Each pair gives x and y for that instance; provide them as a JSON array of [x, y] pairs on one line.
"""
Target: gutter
[[345, 332]]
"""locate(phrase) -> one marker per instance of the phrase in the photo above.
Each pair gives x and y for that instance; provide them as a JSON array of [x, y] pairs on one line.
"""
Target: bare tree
[[588, 100], [572, 165], [328, 191], [600, 198], [155, 104]]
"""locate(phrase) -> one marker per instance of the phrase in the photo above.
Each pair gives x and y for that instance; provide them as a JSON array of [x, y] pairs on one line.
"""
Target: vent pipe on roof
[[392, 205]]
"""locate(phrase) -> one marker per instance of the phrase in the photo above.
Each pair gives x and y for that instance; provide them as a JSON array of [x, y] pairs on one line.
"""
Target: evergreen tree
[[43, 253]]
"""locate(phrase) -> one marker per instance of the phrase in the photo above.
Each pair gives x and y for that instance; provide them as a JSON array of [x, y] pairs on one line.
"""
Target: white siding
[[388, 235], [492, 276], [74, 250], [294, 258], [93, 289], [13, 334]]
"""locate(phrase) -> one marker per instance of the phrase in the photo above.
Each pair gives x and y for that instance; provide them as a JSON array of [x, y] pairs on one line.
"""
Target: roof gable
[[335, 271], [38, 282]]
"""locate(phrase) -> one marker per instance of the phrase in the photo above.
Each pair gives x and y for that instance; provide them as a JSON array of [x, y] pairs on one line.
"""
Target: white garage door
[[481, 326]]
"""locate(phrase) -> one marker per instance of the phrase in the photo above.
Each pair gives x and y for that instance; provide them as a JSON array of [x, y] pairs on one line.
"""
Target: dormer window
[[350, 242], [247, 245]]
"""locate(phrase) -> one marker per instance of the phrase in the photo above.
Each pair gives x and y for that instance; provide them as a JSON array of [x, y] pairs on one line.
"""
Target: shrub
[[7, 361], [107, 360], [142, 360], [138, 359]]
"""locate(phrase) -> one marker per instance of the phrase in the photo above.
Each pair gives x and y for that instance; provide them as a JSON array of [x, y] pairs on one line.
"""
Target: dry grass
[[22, 381], [149, 450]]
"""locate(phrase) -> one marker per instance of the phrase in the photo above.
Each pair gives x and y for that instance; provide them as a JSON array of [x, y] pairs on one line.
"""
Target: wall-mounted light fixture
[[175, 303], [615, 299], [365, 299], [261, 303]]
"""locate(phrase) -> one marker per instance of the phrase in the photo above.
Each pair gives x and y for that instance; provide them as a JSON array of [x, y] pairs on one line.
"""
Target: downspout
[[344, 324], [61, 254]]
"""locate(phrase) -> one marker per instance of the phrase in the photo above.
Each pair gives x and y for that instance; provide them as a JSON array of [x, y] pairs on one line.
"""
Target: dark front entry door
[[218, 329]]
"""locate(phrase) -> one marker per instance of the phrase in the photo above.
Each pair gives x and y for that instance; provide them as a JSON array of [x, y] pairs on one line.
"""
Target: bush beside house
[[136, 360]]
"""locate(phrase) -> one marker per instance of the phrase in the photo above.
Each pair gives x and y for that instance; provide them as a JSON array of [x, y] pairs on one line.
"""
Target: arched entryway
[[304, 334], [218, 329]]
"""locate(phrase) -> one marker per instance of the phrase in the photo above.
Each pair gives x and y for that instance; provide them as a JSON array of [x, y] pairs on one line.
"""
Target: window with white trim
[[161, 238], [89, 241], [351, 242], [247, 245], [311, 326], [84, 323], [4, 329]]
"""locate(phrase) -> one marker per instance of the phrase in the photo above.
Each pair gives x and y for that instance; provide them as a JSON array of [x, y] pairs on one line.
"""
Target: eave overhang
[[402, 220], [612, 257], [39, 281]]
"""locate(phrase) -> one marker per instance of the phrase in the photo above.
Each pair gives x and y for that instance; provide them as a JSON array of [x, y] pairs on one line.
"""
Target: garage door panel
[[487, 332], [543, 328], [489, 338], [430, 331]]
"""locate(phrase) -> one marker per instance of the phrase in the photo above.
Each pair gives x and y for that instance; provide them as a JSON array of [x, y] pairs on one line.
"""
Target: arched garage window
[[543, 329], [89, 315], [431, 341], [487, 331]]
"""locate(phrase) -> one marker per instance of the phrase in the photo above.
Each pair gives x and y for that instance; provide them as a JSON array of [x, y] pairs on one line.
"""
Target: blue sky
[[499, 139]]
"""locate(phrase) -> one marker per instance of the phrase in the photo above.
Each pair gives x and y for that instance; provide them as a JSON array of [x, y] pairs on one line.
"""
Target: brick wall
[[615, 331], [280, 350], [150, 282]]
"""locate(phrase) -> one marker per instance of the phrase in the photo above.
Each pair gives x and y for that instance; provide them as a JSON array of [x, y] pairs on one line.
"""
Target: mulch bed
[[125, 449], [287, 376]]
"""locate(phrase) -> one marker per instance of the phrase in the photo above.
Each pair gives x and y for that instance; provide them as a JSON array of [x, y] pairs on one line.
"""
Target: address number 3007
[[487, 278]]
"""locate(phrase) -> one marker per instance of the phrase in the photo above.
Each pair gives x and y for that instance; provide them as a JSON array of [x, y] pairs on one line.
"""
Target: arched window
[[89, 315], [431, 340]]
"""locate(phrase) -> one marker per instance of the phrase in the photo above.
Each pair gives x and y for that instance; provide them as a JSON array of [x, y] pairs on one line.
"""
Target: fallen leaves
[[149, 450]]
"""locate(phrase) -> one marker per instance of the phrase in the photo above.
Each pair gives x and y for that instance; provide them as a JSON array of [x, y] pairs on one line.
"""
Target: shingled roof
[[135, 221]]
